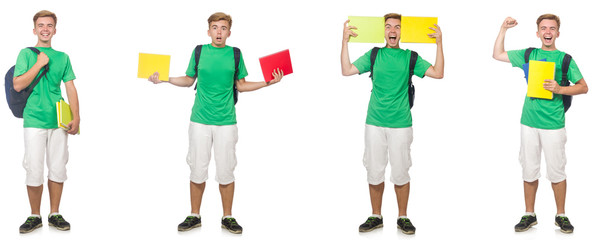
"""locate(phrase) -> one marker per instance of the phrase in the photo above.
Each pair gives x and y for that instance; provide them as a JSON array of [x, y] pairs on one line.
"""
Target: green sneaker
[[231, 225], [525, 223], [371, 224], [31, 224], [58, 222], [406, 226], [190, 222], [564, 224]]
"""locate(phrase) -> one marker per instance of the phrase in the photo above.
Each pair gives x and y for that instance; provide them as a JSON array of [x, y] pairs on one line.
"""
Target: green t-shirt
[[40, 111], [214, 100], [389, 102], [545, 113]]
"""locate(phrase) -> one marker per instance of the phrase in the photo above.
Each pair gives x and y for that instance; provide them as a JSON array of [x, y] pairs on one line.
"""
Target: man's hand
[[509, 23], [154, 78], [277, 74], [552, 86], [42, 59], [348, 32], [437, 35]]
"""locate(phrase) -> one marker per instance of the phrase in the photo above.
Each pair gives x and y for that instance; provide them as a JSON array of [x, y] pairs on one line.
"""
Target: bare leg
[[376, 192], [402, 198], [35, 194], [560, 191], [196, 191], [530, 189], [227, 194], [55, 195]]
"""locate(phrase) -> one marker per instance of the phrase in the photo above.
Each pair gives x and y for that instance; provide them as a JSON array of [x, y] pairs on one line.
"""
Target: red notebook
[[277, 60]]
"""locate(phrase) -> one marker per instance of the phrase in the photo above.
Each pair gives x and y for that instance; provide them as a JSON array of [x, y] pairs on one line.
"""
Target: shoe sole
[[526, 229], [233, 231], [406, 232], [563, 231], [32, 229], [187, 229], [59, 228], [371, 229]]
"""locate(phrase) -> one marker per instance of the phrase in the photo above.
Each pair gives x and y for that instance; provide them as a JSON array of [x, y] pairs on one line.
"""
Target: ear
[[229, 33], [557, 34], [209, 35]]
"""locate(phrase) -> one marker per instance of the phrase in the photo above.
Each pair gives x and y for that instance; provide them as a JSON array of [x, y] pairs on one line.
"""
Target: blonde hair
[[218, 17], [392, 15], [549, 17], [45, 13]]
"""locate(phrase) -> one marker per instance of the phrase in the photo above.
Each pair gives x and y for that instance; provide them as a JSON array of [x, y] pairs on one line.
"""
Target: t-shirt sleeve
[[421, 67], [574, 75], [517, 57], [22, 62], [191, 67], [242, 69], [363, 62], [68, 72]]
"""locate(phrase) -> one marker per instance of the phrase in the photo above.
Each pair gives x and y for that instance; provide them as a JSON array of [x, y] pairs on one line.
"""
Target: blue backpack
[[18, 100]]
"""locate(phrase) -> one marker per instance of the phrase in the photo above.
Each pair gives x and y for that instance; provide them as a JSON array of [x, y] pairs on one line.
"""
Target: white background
[[300, 172]]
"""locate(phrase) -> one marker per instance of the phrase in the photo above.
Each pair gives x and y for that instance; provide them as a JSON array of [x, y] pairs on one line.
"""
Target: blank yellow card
[[538, 71], [416, 29], [150, 63], [370, 29]]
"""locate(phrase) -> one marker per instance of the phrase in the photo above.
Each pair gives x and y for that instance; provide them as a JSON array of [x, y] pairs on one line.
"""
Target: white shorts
[[201, 139], [383, 144], [45, 144], [552, 143]]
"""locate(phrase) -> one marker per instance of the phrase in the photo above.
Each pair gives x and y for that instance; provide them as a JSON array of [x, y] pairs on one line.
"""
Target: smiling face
[[548, 32], [392, 32], [44, 29], [219, 31]]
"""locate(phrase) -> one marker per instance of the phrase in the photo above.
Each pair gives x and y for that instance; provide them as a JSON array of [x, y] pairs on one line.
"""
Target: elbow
[[17, 86]]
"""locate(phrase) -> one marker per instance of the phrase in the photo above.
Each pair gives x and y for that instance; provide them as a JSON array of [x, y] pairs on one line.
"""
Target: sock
[[560, 215], [35, 215], [227, 216], [195, 215], [376, 216], [530, 214], [52, 214]]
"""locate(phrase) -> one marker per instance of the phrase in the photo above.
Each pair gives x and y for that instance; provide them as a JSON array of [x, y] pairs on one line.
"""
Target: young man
[[388, 133], [213, 118], [543, 121], [42, 135]]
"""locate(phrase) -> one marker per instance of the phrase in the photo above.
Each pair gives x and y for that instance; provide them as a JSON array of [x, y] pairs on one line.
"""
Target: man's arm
[[23, 81], [579, 88], [437, 71], [183, 81], [499, 52], [243, 86], [74, 125], [347, 68]]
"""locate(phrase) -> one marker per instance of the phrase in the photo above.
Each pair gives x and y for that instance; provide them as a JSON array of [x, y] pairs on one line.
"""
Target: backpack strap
[[411, 88], [565, 69], [237, 54], [527, 54], [567, 99], [373, 59], [197, 53], [45, 70]]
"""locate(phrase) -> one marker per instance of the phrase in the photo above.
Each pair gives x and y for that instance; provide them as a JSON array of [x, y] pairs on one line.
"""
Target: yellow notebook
[[416, 29], [370, 29], [150, 63], [538, 71], [64, 115]]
